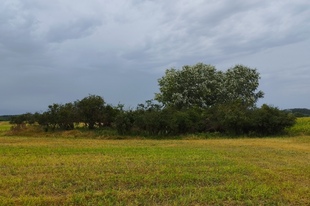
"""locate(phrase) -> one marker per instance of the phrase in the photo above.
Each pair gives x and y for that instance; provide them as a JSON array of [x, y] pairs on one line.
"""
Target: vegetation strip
[[195, 99]]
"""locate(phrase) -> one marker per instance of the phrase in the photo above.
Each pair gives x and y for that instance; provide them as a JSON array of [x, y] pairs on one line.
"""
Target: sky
[[61, 51]]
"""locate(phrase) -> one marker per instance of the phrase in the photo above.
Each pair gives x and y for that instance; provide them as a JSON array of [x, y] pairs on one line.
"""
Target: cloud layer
[[60, 51]]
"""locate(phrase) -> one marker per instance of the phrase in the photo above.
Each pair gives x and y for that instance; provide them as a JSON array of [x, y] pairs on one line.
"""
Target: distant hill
[[300, 112]]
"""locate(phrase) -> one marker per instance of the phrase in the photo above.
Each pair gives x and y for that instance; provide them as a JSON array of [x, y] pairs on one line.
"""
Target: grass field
[[81, 171], [56, 171]]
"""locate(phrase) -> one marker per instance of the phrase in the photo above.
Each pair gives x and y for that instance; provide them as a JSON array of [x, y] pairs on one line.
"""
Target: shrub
[[231, 118], [124, 122], [269, 120]]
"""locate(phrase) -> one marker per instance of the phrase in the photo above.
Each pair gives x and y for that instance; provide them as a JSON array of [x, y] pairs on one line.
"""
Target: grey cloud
[[233, 27], [72, 30], [17, 30]]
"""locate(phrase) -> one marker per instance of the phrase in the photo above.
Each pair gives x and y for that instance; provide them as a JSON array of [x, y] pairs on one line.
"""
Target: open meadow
[[80, 171]]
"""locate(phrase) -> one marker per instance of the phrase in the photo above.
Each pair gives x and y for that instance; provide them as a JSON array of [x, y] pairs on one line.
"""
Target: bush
[[151, 119], [148, 118], [23, 119], [237, 119], [269, 120], [231, 118], [124, 122]]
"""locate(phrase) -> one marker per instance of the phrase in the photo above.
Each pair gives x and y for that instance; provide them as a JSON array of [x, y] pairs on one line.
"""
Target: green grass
[[58, 171]]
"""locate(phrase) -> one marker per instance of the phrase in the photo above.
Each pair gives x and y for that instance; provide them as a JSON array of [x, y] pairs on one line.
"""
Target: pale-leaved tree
[[202, 85], [241, 82]]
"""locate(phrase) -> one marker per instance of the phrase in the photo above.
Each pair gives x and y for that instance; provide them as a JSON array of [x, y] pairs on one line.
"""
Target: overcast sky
[[62, 50]]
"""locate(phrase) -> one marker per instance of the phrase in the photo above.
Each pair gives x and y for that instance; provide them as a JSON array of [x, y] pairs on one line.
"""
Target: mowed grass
[[56, 171]]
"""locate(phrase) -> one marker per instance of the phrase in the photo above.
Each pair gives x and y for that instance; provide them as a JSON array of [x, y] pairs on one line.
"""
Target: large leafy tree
[[241, 82], [202, 85], [199, 85]]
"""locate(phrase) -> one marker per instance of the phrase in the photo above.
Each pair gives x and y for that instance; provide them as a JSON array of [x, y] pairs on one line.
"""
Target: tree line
[[195, 99], [5, 117], [92, 111], [300, 112]]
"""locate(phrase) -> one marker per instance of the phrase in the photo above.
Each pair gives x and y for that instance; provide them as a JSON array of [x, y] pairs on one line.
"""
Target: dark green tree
[[91, 110], [67, 115]]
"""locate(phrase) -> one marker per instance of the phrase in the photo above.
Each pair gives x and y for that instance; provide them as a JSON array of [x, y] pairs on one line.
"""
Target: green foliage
[[236, 119], [202, 85], [149, 119], [23, 119], [193, 85], [241, 82], [6, 117], [186, 121], [270, 120], [67, 116], [302, 127], [300, 112], [109, 115], [90, 110], [152, 119], [58, 116], [43, 120], [124, 122], [19, 119], [231, 118], [52, 115]]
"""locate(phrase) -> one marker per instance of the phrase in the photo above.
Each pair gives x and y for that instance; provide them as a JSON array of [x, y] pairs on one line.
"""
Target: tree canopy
[[202, 85]]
